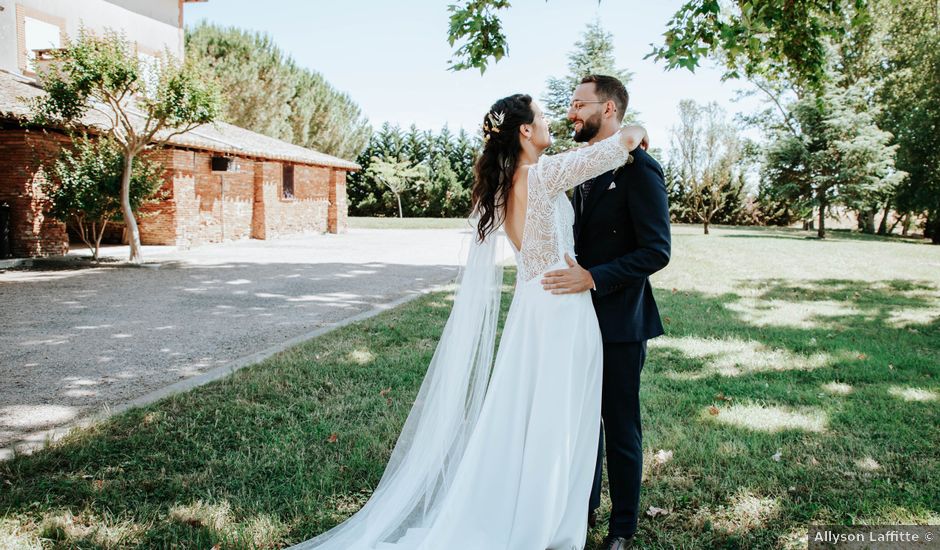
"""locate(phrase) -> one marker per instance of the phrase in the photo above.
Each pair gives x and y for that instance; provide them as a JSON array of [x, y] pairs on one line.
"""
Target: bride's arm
[[561, 172]]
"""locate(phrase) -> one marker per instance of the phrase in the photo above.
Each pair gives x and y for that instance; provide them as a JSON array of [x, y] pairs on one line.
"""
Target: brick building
[[222, 182]]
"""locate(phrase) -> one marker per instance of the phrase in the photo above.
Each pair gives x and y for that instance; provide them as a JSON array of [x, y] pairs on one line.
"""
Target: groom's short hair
[[610, 88]]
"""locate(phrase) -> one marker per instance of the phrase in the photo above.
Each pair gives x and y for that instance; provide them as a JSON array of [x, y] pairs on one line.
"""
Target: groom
[[621, 233]]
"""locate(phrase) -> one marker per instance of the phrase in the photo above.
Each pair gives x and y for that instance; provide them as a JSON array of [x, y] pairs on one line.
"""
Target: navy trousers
[[621, 435]]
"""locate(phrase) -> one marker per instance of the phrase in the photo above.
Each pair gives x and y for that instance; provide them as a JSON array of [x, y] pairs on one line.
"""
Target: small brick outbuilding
[[222, 183]]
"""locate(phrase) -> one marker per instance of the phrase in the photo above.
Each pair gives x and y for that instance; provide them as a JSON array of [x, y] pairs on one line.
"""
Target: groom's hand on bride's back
[[572, 280]]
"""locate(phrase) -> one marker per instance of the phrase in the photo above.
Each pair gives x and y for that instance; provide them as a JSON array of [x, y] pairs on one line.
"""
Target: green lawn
[[797, 383]]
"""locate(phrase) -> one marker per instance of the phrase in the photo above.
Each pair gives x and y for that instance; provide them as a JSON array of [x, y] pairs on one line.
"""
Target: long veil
[[435, 435]]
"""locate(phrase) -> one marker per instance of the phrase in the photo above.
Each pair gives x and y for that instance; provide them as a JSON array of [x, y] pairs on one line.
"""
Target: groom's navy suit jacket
[[622, 237]]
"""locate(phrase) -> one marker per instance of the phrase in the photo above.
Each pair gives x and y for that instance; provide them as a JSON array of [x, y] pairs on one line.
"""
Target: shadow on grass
[[832, 235], [775, 426]]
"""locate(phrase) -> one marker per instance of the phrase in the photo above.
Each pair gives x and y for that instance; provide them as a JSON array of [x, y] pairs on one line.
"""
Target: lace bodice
[[549, 217]]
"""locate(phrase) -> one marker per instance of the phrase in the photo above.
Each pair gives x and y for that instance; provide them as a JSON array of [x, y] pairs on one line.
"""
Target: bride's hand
[[633, 136]]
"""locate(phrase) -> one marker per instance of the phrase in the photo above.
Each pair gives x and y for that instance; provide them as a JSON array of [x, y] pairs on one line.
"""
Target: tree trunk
[[129, 221], [98, 237], [79, 222], [400, 214], [883, 226], [821, 230], [932, 228], [906, 225], [705, 225]]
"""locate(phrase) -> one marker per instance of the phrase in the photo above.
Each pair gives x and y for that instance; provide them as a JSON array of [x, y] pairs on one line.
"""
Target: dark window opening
[[287, 182]]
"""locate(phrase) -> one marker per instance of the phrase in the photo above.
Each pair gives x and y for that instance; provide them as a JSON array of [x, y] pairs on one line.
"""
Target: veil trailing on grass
[[434, 438]]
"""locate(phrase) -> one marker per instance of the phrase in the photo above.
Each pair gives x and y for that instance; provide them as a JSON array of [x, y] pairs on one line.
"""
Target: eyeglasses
[[578, 104]]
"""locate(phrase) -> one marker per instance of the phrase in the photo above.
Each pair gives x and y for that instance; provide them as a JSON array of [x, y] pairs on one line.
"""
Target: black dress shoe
[[617, 543], [592, 518]]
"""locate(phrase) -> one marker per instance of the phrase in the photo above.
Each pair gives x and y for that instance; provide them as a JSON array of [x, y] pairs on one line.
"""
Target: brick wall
[[306, 212], [337, 217], [21, 153], [200, 206], [224, 200]]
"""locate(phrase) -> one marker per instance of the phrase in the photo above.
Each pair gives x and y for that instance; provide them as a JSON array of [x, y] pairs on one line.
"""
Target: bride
[[503, 458]]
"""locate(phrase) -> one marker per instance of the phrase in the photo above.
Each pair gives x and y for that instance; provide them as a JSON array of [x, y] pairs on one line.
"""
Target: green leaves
[[105, 73], [839, 156], [444, 192], [83, 186], [86, 178], [476, 23], [270, 94], [183, 97], [103, 69], [759, 37]]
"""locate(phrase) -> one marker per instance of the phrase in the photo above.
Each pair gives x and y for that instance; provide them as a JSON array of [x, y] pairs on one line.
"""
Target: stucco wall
[[153, 24]]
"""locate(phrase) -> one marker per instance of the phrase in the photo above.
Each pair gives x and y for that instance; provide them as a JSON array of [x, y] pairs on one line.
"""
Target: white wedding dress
[[508, 464]]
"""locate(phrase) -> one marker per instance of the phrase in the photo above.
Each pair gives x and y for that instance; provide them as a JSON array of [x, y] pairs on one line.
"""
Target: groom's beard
[[589, 129]]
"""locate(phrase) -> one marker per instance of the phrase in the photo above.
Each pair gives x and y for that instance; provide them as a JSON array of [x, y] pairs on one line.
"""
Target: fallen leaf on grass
[[384, 392], [333, 437], [653, 512], [722, 397], [713, 410]]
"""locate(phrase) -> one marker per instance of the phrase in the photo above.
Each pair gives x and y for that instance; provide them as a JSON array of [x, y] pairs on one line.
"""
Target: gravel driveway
[[74, 341]]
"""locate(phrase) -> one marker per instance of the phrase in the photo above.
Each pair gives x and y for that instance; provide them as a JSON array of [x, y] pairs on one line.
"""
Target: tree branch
[[786, 115]]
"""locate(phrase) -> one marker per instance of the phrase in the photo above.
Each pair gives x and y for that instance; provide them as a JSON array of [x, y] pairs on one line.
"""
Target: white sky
[[391, 57]]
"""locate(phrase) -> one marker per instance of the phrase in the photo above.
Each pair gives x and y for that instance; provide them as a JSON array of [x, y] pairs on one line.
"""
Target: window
[[287, 182], [39, 32]]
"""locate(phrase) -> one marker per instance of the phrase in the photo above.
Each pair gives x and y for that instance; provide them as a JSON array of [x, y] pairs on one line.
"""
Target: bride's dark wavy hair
[[496, 165]]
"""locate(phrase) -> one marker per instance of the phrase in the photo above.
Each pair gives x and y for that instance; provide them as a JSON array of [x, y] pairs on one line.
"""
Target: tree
[[397, 175], [831, 151], [254, 74], [84, 186], [707, 151], [445, 192], [593, 54], [272, 95], [143, 105], [909, 92]]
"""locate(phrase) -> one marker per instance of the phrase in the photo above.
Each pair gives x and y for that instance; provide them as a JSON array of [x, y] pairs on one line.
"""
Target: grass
[[797, 384]]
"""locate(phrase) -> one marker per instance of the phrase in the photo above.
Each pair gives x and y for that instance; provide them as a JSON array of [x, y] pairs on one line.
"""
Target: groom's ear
[[610, 108]]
